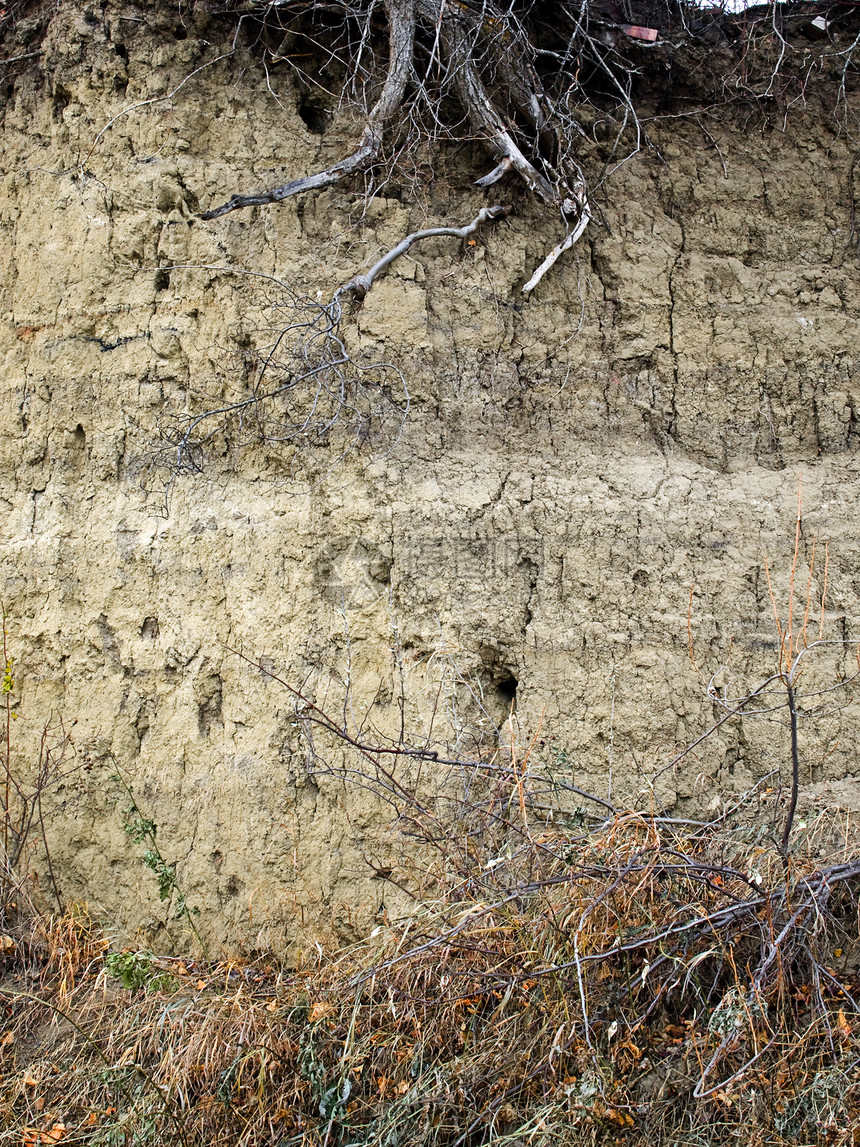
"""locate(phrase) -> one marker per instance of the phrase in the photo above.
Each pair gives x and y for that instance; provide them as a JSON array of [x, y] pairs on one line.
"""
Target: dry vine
[[29, 772]]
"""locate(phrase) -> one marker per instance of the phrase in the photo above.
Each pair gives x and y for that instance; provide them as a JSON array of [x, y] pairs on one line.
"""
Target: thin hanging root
[[318, 386], [361, 284], [564, 245], [401, 39]]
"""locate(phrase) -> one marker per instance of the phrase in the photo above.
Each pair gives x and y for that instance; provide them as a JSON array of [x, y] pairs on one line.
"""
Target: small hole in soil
[[162, 280], [312, 116], [149, 628], [506, 690], [62, 99]]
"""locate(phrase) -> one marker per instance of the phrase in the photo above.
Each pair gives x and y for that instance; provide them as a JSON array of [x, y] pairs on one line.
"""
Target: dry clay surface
[[573, 463]]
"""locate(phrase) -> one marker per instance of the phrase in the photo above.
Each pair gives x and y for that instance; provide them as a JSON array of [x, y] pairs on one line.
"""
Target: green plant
[[143, 830], [139, 970]]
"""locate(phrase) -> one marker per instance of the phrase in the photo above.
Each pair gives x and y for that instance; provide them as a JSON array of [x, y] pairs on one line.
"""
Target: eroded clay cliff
[[572, 464]]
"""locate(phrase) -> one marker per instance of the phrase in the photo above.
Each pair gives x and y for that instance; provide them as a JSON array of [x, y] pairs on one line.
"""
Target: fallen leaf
[[57, 1132], [619, 1118], [319, 1011]]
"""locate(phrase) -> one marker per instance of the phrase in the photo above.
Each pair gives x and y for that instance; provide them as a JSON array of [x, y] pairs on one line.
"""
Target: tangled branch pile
[[671, 981]]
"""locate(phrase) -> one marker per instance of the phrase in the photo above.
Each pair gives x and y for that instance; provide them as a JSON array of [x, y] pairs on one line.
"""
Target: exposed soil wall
[[573, 462]]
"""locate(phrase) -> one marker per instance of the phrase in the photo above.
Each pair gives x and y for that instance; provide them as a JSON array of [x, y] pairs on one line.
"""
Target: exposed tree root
[[361, 284], [560, 248], [485, 118], [401, 38], [523, 78], [546, 89], [469, 43]]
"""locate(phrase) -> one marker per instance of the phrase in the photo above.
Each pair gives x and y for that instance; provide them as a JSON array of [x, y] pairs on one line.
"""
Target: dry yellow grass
[[633, 979]]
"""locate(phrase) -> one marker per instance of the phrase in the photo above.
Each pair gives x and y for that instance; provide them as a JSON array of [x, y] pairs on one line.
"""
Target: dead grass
[[631, 979]]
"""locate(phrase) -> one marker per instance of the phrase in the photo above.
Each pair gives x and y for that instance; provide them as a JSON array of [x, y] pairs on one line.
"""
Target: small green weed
[[138, 970], [143, 830]]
